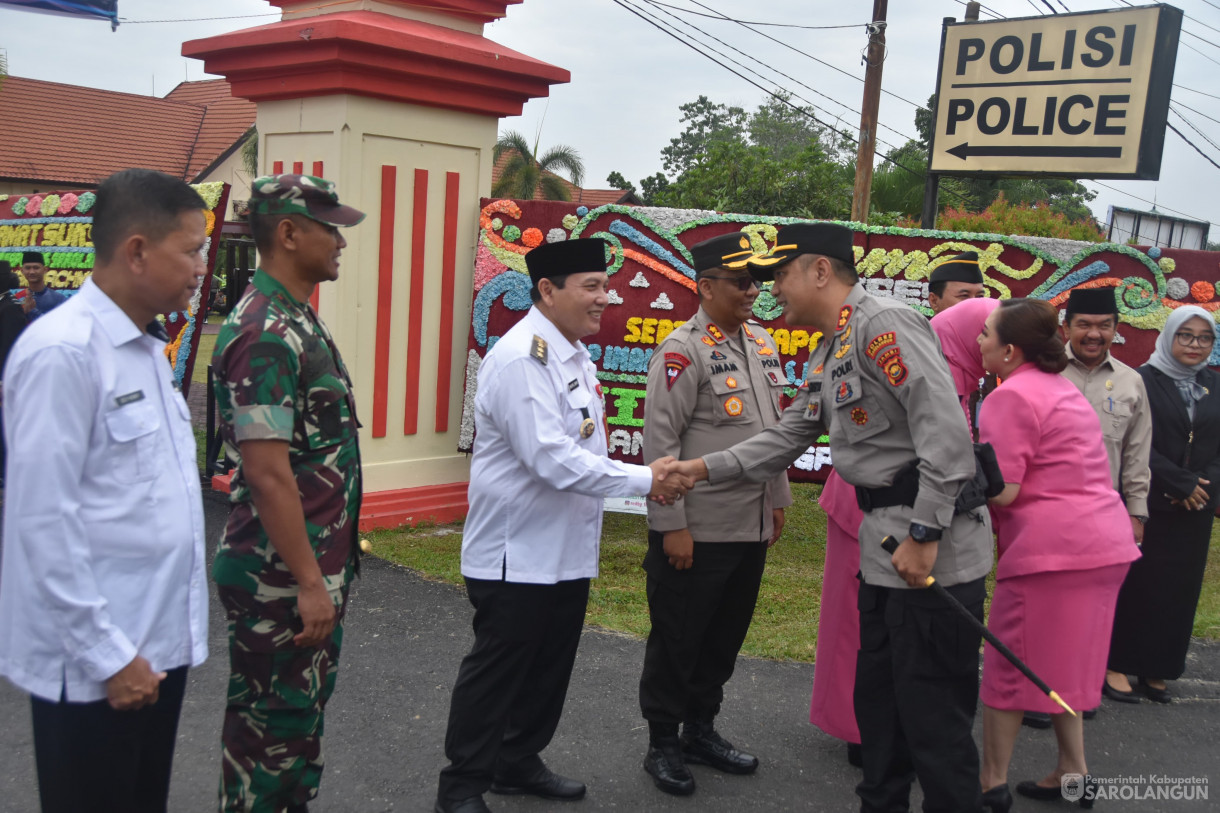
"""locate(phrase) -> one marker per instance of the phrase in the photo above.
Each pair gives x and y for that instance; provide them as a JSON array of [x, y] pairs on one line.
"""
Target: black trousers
[[917, 687], [700, 618], [510, 689], [93, 759]]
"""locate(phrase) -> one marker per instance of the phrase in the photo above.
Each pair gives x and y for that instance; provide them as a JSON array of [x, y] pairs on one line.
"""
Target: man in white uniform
[[530, 546], [103, 598]]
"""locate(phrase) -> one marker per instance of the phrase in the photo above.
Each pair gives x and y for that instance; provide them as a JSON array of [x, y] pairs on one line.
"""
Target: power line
[[749, 22], [1192, 144], [775, 70], [1191, 109], [125, 21], [1200, 92], [1152, 202]]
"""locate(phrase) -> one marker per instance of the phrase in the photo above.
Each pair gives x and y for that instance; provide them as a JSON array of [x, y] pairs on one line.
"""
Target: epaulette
[[539, 349]]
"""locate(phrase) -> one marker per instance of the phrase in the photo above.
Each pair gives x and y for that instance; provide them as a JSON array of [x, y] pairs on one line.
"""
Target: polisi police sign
[[1075, 95]]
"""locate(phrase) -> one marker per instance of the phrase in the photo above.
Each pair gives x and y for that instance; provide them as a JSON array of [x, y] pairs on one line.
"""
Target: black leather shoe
[[855, 756], [1118, 696], [473, 804], [545, 784], [1156, 695], [665, 765], [1036, 719], [998, 799], [1032, 790], [703, 746]]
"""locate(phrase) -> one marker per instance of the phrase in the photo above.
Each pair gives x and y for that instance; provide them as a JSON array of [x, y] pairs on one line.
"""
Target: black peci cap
[[827, 239], [566, 257]]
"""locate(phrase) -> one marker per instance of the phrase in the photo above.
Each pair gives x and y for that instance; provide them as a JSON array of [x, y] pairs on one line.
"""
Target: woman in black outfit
[[1156, 608]]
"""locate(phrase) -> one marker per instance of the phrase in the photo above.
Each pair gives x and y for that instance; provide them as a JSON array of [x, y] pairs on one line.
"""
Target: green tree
[[526, 172], [617, 181], [652, 187], [249, 152], [1032, 219], [706, 124]]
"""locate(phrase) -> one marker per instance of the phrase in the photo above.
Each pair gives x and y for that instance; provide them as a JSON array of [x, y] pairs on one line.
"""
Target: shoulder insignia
[[708, 340], [715, 332], [675, 364], [746, 328], [895, 370], [538, 350], [880, 343], [844, 317], [846, 333]]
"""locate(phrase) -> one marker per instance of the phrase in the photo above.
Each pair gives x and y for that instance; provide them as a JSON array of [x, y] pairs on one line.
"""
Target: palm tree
[[525, 172]]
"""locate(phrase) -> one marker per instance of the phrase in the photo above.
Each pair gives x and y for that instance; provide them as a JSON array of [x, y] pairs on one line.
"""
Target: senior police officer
[[879, 383], [1120, 400], [289, 550], [530, 544], [955, 279], [714, 381]]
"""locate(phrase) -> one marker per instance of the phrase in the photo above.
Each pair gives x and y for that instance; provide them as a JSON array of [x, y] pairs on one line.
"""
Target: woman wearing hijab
[[1156, 608], [958, 329], [1057, 581]]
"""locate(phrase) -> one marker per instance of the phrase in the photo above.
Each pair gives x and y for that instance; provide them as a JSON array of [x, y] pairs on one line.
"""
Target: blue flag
[[99, 9]]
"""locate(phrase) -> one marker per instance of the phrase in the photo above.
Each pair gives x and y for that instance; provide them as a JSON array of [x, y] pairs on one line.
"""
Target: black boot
[[664, 761], [703, 746]]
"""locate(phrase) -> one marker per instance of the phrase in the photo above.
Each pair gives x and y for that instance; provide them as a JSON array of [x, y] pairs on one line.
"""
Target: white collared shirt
[[103, 517], [536, 485]]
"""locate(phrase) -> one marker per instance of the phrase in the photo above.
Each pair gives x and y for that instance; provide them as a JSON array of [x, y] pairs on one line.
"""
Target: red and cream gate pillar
[[398, 102]]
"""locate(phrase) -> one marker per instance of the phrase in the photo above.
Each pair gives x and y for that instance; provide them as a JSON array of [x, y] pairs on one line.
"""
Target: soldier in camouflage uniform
[[289, 550]]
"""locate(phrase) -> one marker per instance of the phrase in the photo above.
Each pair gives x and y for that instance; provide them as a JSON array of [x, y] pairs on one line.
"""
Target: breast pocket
[[860, 418], [1115, 415], [133, 433], [731, 400]]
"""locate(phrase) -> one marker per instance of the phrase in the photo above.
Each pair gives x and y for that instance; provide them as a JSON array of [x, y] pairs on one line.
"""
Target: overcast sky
[[628, 78]]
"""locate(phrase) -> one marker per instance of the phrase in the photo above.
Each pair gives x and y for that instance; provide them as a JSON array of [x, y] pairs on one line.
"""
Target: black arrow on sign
[[964, 150]]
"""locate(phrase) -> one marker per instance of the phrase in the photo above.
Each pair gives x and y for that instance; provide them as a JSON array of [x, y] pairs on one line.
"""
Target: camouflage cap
[[306, 195]]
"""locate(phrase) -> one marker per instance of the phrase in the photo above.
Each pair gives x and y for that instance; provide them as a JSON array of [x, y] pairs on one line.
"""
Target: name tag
[[129, 398]]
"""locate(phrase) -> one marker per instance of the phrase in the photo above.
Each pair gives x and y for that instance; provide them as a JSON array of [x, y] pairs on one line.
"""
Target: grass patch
[[785, 621], [203, 357]]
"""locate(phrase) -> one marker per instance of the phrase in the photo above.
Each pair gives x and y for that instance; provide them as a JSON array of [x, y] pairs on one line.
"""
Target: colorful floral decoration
[[209, 221], [50, 205], [85, 202], [210, 192], [652, 245], [67, 202], [34, 207], [532, 237], [20, 206]]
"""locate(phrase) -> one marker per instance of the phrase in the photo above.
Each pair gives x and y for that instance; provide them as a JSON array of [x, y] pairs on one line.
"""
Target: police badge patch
[[675, 364]]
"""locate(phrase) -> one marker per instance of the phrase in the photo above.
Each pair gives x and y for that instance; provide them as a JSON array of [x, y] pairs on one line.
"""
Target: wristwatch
[[924, 533], [1143, 520]]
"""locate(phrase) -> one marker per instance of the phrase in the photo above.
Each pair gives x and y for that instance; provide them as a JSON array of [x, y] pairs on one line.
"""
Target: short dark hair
[[139, 200], [938, 287], [845, 271], [1032, 325], [557, 281], [8, 279]]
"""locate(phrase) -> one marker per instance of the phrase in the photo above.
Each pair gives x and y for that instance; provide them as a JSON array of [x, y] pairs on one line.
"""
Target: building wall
[[233, 173]]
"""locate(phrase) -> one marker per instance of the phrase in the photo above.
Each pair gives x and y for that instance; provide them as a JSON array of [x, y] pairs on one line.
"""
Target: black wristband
[[925, 533]]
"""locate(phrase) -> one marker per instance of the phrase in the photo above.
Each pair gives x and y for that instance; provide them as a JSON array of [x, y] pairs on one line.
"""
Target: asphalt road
[[405, 637]]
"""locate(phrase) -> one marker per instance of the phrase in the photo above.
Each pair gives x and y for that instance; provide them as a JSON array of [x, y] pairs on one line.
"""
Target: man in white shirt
[[530, 545], [103, 595]]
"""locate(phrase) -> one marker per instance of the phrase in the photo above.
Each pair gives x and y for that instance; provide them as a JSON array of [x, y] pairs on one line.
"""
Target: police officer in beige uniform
[[879, 383], [1120, 400], [714, 381]]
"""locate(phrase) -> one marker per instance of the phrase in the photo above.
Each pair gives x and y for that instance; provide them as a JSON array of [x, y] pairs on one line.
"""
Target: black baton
[[890, 544]]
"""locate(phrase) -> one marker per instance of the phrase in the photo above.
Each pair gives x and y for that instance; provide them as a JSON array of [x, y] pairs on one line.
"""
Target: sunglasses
[[743, 283]]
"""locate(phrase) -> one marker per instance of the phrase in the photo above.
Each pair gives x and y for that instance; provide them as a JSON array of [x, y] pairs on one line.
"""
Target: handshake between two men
[[673, 478]]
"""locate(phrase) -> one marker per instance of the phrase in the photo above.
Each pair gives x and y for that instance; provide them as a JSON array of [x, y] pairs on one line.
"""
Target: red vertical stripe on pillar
[[415, 312], [385, 290], [317, 170], [298, 167], [277, 167], [444, 353]]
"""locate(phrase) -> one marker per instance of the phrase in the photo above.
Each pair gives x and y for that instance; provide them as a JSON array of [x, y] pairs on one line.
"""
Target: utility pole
[[931, 187], [875, 60]]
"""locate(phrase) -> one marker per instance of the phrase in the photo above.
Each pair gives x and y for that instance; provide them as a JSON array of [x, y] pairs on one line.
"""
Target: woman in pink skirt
[[1065, 544]]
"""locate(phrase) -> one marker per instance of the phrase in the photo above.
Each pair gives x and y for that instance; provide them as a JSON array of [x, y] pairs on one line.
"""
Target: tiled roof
[[587, 197], [72, 135]]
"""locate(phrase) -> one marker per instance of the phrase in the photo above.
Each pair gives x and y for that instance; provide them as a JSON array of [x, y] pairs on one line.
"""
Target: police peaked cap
[[1099, 301], [962, 268], [33, 257], [827, 239], [726, 251], [566, 257]]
